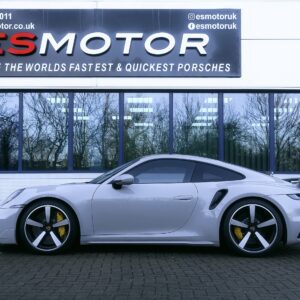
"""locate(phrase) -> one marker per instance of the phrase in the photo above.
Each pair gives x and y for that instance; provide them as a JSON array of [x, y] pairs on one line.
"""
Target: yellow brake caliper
[[61, 229], [238, 233]]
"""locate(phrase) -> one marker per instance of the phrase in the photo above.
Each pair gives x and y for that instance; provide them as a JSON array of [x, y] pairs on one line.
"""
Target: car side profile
[[158, 199]]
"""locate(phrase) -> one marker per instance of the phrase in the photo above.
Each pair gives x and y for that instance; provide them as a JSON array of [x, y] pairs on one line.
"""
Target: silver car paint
[[143, 208], [77, 196], [164, 224]]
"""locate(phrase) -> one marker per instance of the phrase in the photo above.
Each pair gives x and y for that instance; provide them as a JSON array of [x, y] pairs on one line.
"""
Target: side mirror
[[125, 179]]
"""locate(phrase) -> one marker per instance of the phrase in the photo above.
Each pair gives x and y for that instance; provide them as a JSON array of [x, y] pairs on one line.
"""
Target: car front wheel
[[252, 228], [48, 226]]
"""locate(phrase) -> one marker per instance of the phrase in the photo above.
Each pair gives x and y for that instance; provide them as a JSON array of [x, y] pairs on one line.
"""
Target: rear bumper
[[291, 211], [8, 221]]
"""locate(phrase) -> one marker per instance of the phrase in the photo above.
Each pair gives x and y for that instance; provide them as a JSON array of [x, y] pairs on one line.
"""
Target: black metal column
[[20, 132], [271, 133], [121, 128], [70, 131], [221, 138]]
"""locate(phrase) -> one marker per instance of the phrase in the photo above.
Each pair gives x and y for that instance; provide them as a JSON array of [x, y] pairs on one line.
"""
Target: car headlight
[[295, 196], [12, 196]]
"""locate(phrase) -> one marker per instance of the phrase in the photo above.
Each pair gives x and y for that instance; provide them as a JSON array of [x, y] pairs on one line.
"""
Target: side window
[[163, 171], [207, 172]]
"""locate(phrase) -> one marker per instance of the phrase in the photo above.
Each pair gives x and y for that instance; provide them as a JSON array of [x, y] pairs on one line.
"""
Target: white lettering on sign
[[92, 36], [128, 36], [68, 39], [194, 40], [158, 36], [197, 41]]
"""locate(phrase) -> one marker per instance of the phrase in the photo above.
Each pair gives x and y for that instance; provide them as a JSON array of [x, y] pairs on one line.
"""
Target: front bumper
[[8, 221]]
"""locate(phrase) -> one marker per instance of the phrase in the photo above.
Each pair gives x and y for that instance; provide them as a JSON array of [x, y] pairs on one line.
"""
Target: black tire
[[39, 229], [252, 227]]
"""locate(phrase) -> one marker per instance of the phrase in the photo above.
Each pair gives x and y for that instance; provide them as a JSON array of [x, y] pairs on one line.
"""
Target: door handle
[[184, 197]]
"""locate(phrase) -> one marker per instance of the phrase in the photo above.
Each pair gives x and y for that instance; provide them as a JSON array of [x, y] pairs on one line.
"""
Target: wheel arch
[[284, 236], [42, 199]]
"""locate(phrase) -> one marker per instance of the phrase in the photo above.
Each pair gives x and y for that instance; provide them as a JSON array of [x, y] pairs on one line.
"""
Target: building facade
[[212, 78]]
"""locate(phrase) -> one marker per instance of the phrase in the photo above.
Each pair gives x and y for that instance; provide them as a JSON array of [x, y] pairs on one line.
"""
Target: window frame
[[271, 93]]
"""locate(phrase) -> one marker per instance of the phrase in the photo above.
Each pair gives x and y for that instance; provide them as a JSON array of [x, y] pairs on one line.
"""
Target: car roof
[[178, 156], [187, 157]]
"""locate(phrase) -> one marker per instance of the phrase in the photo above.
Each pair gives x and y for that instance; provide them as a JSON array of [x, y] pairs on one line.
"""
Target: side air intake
[[218, 197]]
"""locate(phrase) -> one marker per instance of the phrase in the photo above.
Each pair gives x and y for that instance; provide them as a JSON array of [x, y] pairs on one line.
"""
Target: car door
[[160, 200]]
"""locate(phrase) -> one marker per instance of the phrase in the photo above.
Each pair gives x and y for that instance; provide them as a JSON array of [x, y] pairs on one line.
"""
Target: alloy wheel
[[253, 228], [47, 228]]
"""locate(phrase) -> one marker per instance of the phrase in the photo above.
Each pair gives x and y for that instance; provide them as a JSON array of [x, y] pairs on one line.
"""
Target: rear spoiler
[[294, 179]]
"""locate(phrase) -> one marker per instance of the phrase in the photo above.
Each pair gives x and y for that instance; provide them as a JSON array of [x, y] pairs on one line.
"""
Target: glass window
[[96, 137], [146, 119], [9, 118], [207, 172], [163, 171], [246, 124], [287, 132], [195, 124], [45, 141]]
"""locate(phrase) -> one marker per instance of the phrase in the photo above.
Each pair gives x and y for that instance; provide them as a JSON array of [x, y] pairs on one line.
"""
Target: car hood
[[71, 192]]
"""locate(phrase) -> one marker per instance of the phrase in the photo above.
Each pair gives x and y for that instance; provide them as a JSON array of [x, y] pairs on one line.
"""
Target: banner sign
[[120, 43]]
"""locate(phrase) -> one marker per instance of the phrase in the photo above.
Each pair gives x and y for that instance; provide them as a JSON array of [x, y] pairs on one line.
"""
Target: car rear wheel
[[252, 228], [48, 226]]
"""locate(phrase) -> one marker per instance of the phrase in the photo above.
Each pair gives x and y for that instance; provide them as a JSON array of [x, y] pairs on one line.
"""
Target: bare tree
[[45, 130], [257, 117], [8, 134], [107, 138], [195, 132], [146, 132], [95, 130], [247, 131], [287, 132]]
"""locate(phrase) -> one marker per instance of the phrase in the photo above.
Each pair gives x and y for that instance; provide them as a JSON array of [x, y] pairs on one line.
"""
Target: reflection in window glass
[[287, 132], [163, 171], [195, 124], [9, 116], [206, 172], [45, 131], [246, 130], [146, 119], [96, 130]]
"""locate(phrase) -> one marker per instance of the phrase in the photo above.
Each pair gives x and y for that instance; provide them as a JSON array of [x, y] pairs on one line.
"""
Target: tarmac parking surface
[[148, 272]]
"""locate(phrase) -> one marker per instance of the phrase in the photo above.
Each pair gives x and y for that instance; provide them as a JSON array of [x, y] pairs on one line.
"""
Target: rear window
[[206, 172]]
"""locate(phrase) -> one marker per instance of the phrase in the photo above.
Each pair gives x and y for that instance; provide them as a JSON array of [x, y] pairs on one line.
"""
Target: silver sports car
[[158, 199]]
